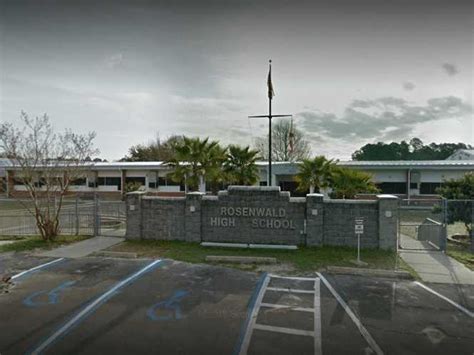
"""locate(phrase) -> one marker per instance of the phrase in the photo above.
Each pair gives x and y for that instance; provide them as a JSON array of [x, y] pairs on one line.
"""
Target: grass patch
[[461, 254], [35, 242], [303, 259]]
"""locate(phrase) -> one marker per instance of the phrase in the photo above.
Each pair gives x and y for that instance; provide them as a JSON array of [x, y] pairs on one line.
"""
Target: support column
[[122, 182], [314, 219], [388, 221], [192, 217]]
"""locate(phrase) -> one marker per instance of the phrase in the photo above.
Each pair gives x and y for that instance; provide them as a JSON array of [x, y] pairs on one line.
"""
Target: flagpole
[[270, 134], [271, 93]]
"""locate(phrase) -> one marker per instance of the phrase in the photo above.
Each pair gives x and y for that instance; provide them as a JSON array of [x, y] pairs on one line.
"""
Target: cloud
[[450, 69], [408, 86], [114, 61], [382, 118]]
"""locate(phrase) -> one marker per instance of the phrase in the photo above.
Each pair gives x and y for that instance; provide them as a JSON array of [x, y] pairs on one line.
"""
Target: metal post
[[358, 248], [96, 215], [270, 143], [77, 215], [472, 227]]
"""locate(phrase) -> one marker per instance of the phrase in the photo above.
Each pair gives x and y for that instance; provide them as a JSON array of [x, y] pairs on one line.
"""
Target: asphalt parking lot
[[98, 305]]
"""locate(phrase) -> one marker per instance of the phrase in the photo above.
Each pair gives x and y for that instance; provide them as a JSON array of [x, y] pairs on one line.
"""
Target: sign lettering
[[263, 217]]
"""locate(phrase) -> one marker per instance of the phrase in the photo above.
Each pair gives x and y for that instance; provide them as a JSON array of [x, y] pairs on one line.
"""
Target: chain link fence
[[460, 223], [430, 224], [78, 216], [422, 224]]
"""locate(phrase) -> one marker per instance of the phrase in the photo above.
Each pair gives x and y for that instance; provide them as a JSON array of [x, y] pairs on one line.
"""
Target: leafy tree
[[45, 163], [288, 143], [315, 174], [414, 150], [460, 207], [347, 183], [240, 167], [196, 161], [157, 150], [132, 186]]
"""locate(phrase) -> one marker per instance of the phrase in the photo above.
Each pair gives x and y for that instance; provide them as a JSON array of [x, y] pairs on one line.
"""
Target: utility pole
[[271, 93]]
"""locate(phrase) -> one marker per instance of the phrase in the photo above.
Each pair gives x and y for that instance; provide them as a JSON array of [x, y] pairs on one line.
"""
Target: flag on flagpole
[[271, 93]]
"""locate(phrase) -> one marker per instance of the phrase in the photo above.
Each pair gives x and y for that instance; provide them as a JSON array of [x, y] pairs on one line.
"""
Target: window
[[18, 181], [413, 185], [140, 180], [152, 185], [429, 188], [162, 181], [78, 182], [292, 187], [393, 187], [110, 181], [263, 183]]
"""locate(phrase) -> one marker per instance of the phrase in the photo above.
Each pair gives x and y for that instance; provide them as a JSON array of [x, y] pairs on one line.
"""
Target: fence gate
[[110, 218], [81, 215], [422, 224]]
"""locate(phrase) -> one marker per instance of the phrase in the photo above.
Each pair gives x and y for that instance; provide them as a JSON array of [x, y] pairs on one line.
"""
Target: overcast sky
[[352, 72]]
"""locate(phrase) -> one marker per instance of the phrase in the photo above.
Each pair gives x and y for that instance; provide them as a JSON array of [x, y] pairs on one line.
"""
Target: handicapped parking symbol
[[171, 305], [53, 295]]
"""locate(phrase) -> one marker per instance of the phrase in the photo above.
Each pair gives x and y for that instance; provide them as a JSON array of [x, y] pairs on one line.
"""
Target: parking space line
[[91, 307], [292, 331], [253, 316], [37, 268], [351, 314], [292, 277], [291, 290], [291, 308], [318, 350], [450, 301]]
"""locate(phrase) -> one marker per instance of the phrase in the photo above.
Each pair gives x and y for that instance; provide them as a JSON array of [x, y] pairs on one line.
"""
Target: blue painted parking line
[[36, 268], [92, 307], [171, 305], [53, 295]]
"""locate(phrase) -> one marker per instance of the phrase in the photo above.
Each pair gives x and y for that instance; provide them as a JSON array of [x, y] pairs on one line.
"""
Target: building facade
[[403, 178]]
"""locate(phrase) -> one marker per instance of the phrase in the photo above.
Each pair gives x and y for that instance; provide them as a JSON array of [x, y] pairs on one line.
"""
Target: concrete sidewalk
[[84, 248], [436, 266]]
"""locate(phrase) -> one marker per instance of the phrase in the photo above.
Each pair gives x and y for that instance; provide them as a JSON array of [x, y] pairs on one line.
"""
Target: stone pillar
[[192, 217], [388, 221], [134, 215], [314, 219]]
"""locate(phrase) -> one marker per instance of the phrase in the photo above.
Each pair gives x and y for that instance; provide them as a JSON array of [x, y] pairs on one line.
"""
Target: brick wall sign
[[249, 215], [263, 215]]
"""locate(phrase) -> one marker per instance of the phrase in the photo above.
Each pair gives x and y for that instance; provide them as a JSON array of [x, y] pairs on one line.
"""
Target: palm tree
[[349, 182], [196, 160], [240, 167], [314, 174]]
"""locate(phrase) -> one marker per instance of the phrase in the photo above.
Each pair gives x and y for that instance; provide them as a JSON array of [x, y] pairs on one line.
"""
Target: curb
[[370, 272], [241, 259], [116, 254]]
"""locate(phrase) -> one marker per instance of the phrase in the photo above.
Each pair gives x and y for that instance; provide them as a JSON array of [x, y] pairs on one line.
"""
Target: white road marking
[[291, 290], [36, 268], [253, 317], [318, 349], [291, 308], [351, 314], [293, 277], [90, 307], [292, 331], [450, 301]]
